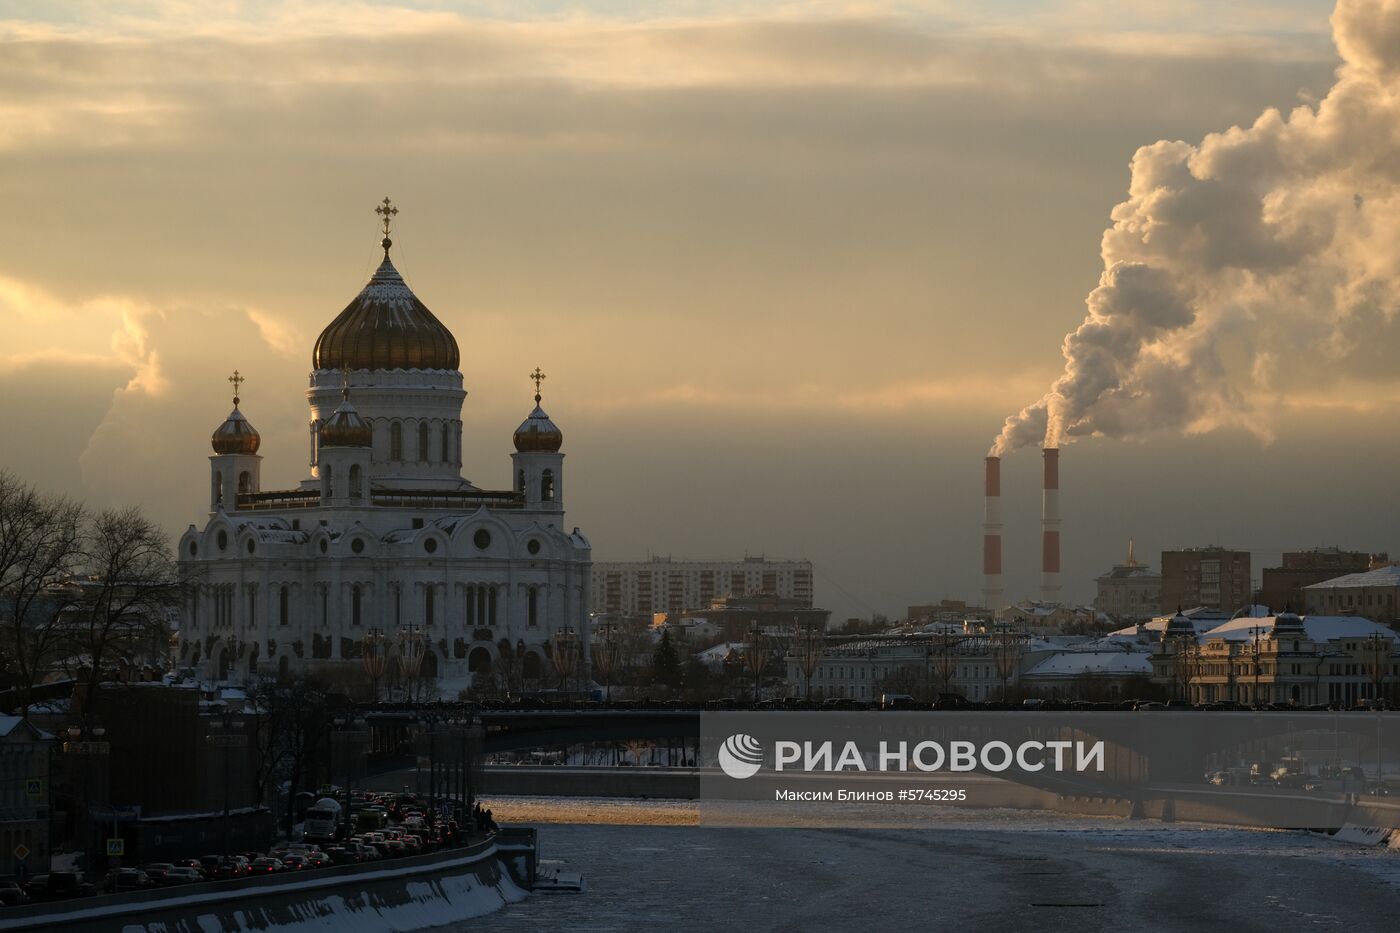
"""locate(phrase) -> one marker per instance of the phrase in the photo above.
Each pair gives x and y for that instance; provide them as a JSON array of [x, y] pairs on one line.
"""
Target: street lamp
[[412, 646], [756, 658], [227, 738], [374, 658], [605, 653], [348, 738], [564, 655]]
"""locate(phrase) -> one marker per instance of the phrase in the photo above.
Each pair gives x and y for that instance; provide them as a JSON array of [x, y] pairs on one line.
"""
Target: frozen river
[[648, 867]]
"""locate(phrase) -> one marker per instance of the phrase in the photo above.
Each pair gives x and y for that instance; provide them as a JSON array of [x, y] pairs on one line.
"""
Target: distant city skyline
[[788, 266]]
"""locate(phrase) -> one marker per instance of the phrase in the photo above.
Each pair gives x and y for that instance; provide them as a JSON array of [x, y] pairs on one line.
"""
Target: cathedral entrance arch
[[479, 661]]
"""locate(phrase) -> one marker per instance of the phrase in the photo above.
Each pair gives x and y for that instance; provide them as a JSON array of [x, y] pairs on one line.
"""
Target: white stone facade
[[386, 536]]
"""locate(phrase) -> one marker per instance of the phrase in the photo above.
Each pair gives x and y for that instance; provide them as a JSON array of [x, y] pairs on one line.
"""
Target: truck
[[323, 822]]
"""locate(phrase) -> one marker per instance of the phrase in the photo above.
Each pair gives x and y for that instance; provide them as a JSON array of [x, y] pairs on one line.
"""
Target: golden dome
[[537, 433], [236, 435], [386, 327], [345, 428]]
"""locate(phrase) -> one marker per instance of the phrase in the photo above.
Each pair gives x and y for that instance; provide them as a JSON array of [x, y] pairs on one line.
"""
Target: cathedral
[[385, 561]]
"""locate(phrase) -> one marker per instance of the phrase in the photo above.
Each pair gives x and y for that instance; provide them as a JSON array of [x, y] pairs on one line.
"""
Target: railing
[[447, 498], [278, 499]]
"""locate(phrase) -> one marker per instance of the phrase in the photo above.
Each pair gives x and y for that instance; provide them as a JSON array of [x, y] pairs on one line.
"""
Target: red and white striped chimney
[[991, 537], [1050, 529]]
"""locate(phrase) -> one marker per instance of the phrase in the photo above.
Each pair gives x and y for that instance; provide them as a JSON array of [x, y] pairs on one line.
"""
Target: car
[[295, 862], [59, 885], [342, 855], [183, 874], [128, 879], [12, 895], [266, 865], [156, 871]]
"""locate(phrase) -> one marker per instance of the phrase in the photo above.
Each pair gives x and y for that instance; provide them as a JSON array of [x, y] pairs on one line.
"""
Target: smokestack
[[1050, 529], [991, 537]]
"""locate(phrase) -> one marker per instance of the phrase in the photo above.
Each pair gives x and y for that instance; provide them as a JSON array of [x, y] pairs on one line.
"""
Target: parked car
[[12, 895]]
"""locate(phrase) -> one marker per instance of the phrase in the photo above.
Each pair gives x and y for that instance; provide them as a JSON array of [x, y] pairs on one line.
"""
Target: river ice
[[648, 867]]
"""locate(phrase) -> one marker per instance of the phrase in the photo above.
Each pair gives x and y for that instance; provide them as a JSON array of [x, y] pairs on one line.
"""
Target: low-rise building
[[1283, 587], [1283, 659], [24, 798], [1101, 675], [980, 667], [1374, 594]]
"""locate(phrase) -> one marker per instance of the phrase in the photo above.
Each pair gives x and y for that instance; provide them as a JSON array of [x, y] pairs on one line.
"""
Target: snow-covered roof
[[720, 651], [1381, 576], [1126, 571], [1319, 628], [1078, 663], [8, 725]]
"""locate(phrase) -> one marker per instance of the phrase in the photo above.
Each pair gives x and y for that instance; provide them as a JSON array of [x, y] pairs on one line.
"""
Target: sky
[[788, 266]]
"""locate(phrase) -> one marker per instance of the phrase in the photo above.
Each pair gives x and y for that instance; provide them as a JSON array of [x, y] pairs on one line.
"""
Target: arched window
[[429, 604], [422, 442], [396, 441], [283, 599], [520, 481], [547, 486], [534, 599], [355, 490], [355, 602], [218, 488], [245, 482], [491, 606], [327, 487], [446, 444], [471, 606]]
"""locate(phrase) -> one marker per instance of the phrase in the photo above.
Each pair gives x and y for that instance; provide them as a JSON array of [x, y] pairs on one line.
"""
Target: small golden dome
[[345, 428], [538, 434], [236, 435]]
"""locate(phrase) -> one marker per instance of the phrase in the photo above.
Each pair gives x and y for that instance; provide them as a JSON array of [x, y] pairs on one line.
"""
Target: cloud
[[1245, 268]]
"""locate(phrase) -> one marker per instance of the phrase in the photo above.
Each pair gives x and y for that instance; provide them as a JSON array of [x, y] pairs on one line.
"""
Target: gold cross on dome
[[386, 210], [237, 381], [538, 377]]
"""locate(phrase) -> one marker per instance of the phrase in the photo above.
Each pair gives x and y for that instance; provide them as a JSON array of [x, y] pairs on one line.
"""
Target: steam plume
[[1237, 260]]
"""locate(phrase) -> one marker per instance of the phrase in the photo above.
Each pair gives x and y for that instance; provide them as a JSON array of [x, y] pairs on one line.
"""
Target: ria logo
[[741, 756]]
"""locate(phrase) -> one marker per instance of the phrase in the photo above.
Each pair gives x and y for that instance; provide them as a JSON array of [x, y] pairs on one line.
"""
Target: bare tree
[[39, 536], [809, 646], [129, 589], [945, 658]]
